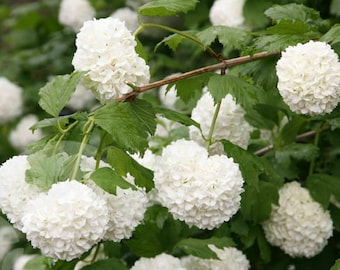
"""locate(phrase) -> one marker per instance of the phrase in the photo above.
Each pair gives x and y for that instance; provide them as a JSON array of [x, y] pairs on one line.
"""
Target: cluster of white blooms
[[227, 13], [106, 52], [162, 261], [128, 16], [298, 224], [22, 136], [74, 13], [15, 192], [8, 237], [197, 189], [11, 102], [67, 221], [230, 123], [82, 98], [229, 258], [309, 78]]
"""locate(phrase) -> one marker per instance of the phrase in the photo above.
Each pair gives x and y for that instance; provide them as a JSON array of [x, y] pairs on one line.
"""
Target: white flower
[[197, 189], [128, 16], [309, 78], [230, 123], [8, 237], [81, 99], [22, 136], [67, 221], [162, 261], [22, 260], [227, 13], [11, 103], [15, 192], [168, 97], [298, 225], [74, 13], [229, 258], [106, 51]]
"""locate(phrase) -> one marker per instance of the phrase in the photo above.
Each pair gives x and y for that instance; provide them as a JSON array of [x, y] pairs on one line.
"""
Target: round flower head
[[11, 103], [229, 258], [22, 136], [81, 99], [197, 189], [162, 261], [230, 123], [106, 52], [15, 192], [67, 221], [298, 224], [74, 13], [128, 16], [309, 78], [227, 13]]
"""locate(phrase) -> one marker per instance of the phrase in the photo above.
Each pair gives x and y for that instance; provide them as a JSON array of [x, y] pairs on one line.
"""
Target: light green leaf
[[199, 247], [124, 164], [297, 151], [54, 95], [228, 36], [108, 180], [177, 117], [172, 41], [141, 50], [128, 123], [336, 266], [289, 27], [63, 120], [292, 12], [106, 264], [167, 7], [333, 35], [45, 170], [38, 262], [245, 94]]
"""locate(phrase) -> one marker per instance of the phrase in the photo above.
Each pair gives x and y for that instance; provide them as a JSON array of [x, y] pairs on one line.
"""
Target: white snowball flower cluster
[[106, 51], [162, 261], [298, 225], [309, 78], [230, 123], [8, 237], [15, 192], [227, 13], [197, 189], [229, 258], [11, 102], [22, 136], [127, 15], [82, 98], [74, 13], [67, 221]]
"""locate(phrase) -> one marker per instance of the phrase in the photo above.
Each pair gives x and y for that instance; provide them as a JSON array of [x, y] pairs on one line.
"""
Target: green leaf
[[276, 43], [227, 36], [292, 12], [53, 122], [253, 12], [322, 186], [54, 95], [333, 35], [263, 116], [336, 266], [289, 27], [107, 264], [264, 247], [297, 151], [38, 262], [199, 247], [124, 164], [335, 9], [167, 7], [172, 41], [140, 50], [177, 117], [45, 170], [245, 94], [108, 180], [128, 123], [292, 128]]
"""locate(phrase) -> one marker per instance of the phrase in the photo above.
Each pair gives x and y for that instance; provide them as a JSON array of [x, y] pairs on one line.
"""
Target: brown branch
[[223, 64]]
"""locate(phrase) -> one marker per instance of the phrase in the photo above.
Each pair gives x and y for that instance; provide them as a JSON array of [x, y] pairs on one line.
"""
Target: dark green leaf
[[292, 12], [129, 123], [227, 36], [172, 41], [54, 95], [108, 180], [263, 116], [265, 251], [167, 7], [199, 247], [141, 50], [245, 94], [297, 151], [124, 164], [177, 117], [45, 170], [333, 35], [292, 128], [107, 264]]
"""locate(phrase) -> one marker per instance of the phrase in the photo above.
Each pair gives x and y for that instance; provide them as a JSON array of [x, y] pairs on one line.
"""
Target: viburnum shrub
[[170, 134]]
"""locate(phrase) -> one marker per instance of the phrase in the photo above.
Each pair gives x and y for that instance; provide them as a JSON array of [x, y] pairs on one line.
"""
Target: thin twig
[[223, 64]]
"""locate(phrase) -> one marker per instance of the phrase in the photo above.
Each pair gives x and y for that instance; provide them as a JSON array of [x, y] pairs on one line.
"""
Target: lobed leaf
[[167, 7], [177, 117], [333, 35]]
